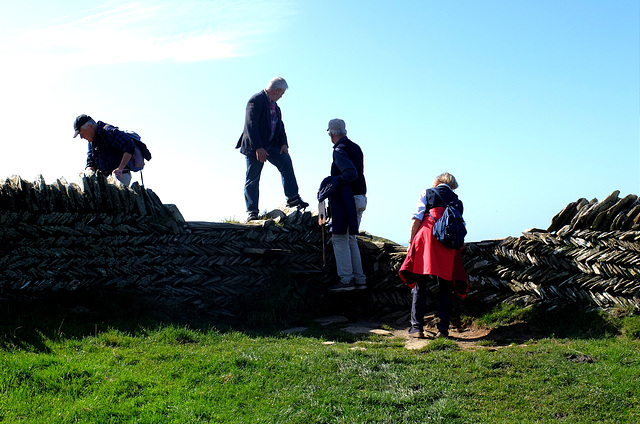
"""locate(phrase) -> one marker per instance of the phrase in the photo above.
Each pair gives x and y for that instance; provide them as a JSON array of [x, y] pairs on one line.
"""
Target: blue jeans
[[254, 170]]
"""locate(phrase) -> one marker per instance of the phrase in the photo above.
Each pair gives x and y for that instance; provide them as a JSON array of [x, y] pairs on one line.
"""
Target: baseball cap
[[80, 121]]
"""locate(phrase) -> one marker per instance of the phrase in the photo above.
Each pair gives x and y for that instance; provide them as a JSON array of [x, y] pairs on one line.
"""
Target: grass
[[71, 365]]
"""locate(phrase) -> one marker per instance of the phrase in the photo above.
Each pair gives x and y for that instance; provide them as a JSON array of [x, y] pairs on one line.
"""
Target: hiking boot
[[416, 334], [252, 216], [297, 202], [340, 287]]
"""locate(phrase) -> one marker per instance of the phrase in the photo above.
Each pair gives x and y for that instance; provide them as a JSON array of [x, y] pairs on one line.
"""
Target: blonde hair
[[446, 178]]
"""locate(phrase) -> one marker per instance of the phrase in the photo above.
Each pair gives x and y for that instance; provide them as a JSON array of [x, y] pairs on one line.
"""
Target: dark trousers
[[419, 303], [254, 170]]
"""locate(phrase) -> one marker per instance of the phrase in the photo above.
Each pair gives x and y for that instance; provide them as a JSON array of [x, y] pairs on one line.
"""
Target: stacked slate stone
[[93, 195], [230, 266], [78, 236], [381, 261], [99, 236], [226, 267], [589, 254]]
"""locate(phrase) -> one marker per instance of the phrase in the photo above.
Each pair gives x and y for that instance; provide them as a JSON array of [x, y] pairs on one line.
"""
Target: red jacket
[[427, 256]]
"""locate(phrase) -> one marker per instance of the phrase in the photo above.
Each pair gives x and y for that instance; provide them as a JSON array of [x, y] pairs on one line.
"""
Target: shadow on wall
[[100, 238]]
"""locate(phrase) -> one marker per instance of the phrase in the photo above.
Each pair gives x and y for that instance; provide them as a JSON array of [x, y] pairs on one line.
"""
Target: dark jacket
[[447, 195], [108, 146], [347, 180], [328, 186], [348, 163], [342, 206], [257, 126]]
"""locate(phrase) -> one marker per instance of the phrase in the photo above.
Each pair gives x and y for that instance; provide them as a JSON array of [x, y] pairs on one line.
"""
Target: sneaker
[[342, 287], [297, 202], [252, 216], [361, 286]]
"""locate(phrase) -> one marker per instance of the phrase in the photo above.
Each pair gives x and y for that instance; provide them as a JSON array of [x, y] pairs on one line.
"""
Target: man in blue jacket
[[347, 202], [264, 139], [109, 148]]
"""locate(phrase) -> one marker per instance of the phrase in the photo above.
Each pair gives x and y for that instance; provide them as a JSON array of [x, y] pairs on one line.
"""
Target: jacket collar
[[341, 141]]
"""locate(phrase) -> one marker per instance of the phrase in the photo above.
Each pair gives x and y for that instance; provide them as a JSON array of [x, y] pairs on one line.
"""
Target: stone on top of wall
[[91, 194]]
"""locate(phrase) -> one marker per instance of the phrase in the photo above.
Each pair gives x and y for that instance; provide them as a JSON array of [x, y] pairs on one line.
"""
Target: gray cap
[[337, 126]]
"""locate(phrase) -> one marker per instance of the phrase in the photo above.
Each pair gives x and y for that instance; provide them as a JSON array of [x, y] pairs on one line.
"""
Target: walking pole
[[324, 263], [141, 179], [322, 219]]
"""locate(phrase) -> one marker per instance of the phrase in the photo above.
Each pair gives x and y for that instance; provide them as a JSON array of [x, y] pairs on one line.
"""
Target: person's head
[[276, 88], [446, 178], [336, 129], [85, 126]]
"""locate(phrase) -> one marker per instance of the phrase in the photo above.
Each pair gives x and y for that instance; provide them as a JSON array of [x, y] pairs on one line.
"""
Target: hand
[[261, 155], [118, 173], [284, 149]]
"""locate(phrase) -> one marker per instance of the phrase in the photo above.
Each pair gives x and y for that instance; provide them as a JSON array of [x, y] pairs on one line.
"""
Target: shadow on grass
[[27, 324], [569, 321]]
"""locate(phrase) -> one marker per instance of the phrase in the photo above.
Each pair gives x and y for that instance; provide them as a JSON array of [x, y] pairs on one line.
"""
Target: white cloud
[[144, 31], [41, 41]]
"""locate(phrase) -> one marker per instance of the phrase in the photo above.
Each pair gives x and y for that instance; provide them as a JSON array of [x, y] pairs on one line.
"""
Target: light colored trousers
[[345, 249], [126, 179]]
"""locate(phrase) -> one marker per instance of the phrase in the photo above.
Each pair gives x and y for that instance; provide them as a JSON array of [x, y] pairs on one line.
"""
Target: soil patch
[[466, 336]]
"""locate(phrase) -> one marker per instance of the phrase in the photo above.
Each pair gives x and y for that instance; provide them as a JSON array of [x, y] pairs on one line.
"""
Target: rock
[[294, 330], [334, 319]]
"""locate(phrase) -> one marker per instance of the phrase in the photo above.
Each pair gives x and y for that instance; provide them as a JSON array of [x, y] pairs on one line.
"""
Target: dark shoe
[[441, 335], [340, 287], [297, 203], [416, 334], [252, 216], [361, 286]]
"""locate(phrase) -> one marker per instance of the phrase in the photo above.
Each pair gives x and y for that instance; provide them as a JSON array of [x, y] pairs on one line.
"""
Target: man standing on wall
[[264, 139], [347, 202]]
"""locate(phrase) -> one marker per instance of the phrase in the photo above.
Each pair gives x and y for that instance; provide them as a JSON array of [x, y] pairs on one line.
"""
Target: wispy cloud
[[120, 31]]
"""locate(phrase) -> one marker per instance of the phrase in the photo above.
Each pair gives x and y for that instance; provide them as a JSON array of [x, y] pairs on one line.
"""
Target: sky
[[531, 105]]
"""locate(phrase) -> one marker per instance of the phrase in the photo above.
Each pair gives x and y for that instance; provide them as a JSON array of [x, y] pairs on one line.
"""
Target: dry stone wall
[[589, 254], [98, 236]]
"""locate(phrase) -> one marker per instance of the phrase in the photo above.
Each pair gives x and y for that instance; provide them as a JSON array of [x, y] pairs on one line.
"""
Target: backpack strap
[[440, 197]]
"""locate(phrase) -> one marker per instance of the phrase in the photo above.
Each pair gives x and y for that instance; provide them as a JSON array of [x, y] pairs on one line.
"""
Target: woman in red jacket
[[428, 261]]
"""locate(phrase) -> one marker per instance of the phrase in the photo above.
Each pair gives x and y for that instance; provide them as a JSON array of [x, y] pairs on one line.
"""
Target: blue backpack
[[450, 229]]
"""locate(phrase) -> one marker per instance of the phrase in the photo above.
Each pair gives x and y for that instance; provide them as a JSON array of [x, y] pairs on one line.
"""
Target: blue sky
[[530, 104]]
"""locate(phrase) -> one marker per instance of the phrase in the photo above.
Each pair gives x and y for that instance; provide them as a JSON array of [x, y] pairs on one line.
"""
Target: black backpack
[[141, 154], [450, 229]]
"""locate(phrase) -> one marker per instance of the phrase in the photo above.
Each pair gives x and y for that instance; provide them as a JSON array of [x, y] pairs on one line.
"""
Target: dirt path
[[467, 337]]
